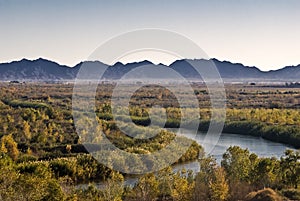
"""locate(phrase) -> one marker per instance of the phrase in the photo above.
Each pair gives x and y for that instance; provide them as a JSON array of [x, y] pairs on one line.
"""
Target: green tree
[[264, 174], [290, 167], [237, 163]]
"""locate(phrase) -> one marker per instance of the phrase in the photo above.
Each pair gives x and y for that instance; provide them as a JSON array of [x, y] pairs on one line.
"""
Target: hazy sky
[[264, 33]]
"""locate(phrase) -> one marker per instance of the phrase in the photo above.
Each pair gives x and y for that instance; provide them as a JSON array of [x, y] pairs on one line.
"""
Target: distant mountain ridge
[[45, 70]]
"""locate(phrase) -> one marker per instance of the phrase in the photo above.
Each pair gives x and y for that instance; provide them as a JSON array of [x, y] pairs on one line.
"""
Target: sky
[[258, 33]]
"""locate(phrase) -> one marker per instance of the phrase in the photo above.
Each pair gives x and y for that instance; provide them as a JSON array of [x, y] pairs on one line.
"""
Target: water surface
[[257, 145]]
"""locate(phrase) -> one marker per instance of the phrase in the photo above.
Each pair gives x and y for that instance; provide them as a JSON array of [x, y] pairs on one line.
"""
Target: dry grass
[[264, 195]]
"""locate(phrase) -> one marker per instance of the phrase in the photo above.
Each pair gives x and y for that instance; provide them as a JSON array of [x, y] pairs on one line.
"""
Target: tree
[[9, 146], [264, 174], [165, 182], [204, 181], [113, 189], [8, 176], [237, 163], [181, 188], [53, 191], [26, 130], [290, 167], [68, 148], [218, 186], [212, 181], [146, 188]]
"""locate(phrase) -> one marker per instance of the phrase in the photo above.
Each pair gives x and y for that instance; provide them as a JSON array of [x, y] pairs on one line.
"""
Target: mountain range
[[45, 70]]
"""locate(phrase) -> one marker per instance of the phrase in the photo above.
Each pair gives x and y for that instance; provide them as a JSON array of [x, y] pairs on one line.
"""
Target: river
[[257, 145]]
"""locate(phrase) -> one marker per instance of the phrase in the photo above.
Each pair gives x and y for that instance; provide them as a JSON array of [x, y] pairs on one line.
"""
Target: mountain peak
[[118, 64], [144, 62]]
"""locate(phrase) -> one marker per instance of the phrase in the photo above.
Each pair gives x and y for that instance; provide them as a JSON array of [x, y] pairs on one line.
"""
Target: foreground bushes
[[293, 194], [240, 177]]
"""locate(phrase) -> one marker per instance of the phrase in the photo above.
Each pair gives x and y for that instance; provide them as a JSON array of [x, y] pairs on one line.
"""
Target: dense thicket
[[240, 177], [42, 157]]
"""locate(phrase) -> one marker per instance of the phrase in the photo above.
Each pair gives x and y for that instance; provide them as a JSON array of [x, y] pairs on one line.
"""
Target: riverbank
[[261, 147], [283, 133], [288, 134]]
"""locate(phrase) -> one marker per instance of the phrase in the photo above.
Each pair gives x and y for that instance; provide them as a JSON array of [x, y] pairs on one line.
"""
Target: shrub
[[264, 195]]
